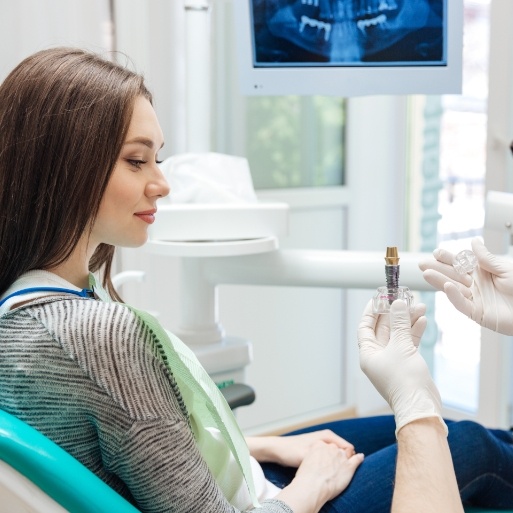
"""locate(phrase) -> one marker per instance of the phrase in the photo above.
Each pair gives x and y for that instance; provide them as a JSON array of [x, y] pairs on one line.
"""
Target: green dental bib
[[209, 413]]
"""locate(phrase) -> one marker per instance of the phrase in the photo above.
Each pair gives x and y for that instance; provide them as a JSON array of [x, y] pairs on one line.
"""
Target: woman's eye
[[136, 163]]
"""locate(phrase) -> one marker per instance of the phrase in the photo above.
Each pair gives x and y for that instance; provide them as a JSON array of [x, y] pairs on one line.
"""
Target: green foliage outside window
[[295, 141]]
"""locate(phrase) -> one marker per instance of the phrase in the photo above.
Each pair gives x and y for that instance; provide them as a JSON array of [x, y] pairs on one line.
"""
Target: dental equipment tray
[[193, 222]]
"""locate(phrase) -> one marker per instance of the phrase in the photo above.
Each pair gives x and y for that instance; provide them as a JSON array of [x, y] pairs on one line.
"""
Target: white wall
[[30, 25], [152, 33]]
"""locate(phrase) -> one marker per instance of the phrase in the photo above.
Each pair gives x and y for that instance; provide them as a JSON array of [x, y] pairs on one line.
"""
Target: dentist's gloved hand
[[390, 358], [486, 296]]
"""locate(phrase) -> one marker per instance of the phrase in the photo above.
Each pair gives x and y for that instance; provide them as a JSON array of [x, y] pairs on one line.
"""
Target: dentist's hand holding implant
[[390, 358], [425, 480], [485, 295]]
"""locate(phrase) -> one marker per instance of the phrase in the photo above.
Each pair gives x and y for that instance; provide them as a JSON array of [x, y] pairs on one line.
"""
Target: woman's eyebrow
[[143, 140]]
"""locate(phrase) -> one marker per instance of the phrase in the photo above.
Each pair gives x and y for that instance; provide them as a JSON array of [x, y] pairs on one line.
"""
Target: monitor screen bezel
[[347, 80]]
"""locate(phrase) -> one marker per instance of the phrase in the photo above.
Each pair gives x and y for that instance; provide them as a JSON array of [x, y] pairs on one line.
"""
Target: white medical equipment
[[239, 244], [499, 216]]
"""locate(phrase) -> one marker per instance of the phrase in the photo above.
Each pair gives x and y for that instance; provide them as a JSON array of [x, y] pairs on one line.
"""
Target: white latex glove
[[486, 295], [390, 358]]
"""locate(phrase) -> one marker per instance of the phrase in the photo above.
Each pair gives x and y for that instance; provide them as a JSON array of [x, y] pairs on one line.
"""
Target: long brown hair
[[64, 114]]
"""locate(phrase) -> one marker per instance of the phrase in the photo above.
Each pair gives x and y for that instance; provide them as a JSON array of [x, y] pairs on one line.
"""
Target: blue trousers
[[483, 462]]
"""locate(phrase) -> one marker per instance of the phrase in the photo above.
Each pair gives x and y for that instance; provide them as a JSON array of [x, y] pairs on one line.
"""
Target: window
[[459, 123], [295, 141], [289, 141]]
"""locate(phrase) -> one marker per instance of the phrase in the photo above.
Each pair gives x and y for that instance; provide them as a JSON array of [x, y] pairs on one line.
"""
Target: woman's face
[[129, 203]]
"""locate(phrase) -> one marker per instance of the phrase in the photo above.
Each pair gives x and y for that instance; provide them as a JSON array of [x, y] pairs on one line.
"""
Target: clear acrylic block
[[465, 261], [384, 297]]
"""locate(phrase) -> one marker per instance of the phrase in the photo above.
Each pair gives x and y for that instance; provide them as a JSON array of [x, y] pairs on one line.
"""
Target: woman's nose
[[158, 186]]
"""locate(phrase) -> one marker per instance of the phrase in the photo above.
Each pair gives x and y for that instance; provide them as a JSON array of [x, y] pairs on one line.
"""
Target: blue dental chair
[[49, 480], [55, 474]]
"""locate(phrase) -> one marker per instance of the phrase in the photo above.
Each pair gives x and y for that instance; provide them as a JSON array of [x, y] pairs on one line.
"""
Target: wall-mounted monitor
[[349, 47]]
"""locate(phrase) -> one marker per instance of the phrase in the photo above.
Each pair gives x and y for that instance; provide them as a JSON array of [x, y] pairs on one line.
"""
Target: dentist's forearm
[[425, 479]]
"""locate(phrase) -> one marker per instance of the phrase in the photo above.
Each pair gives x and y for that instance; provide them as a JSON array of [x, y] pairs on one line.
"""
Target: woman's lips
[[147, 217]]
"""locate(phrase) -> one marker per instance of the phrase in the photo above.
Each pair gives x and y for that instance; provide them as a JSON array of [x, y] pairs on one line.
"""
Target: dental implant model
[[385, 296]]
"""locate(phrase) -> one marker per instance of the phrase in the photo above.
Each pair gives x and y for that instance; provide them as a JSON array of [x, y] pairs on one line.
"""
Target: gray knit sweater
[[89, 376]]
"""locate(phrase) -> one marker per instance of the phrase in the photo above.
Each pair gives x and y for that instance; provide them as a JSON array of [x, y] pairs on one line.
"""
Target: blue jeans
[[483, 461]]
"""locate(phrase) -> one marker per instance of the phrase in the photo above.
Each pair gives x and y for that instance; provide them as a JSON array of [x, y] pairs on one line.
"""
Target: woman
[[79, 174]]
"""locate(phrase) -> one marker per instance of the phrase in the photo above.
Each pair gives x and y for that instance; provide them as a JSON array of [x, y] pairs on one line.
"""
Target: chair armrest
[[238, 394]]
